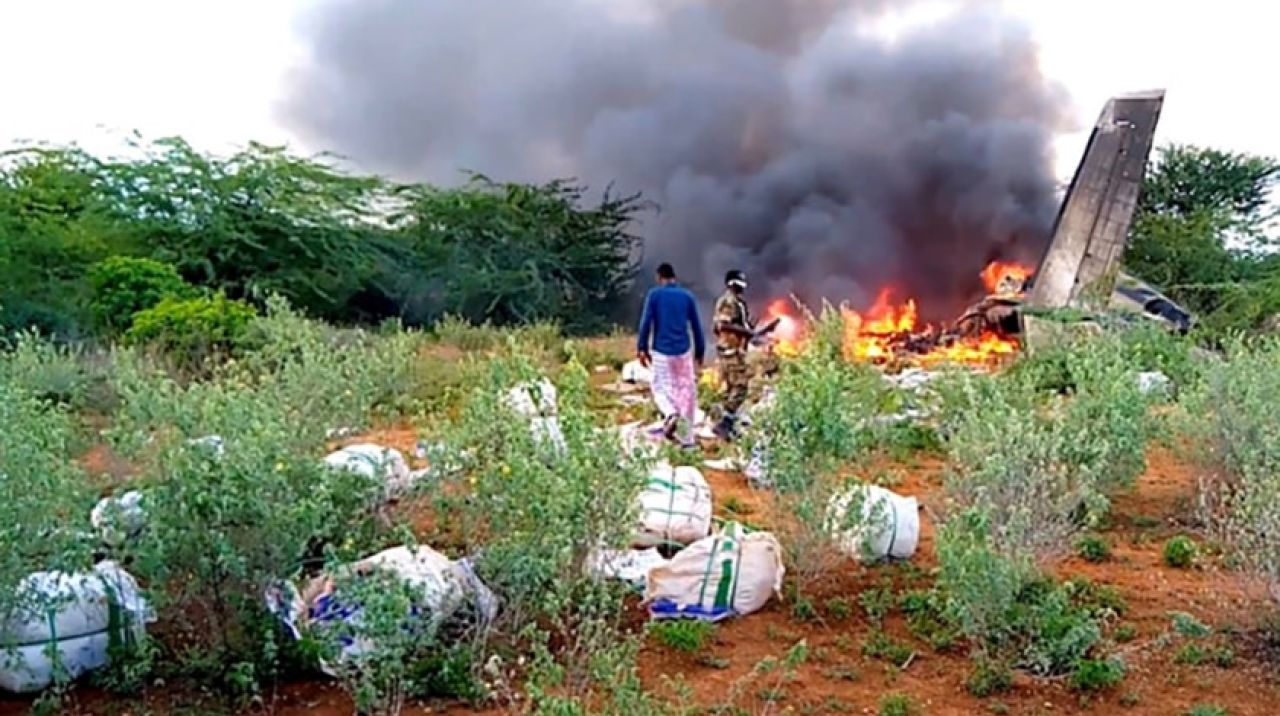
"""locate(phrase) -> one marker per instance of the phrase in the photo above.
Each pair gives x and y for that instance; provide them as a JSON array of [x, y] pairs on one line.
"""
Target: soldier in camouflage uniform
[[734, 331]]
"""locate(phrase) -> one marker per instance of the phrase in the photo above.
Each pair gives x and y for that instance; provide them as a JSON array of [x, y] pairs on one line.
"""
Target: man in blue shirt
[[670, 317]]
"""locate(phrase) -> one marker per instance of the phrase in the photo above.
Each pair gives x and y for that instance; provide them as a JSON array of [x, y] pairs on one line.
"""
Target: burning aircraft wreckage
[[1081, 263]]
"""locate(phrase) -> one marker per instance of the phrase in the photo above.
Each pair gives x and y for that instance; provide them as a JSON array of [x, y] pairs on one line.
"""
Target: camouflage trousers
[[736, 376]]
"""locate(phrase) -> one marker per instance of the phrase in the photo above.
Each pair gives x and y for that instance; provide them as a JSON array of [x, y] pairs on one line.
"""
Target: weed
[[1097, 674], [1125, 633], [735, 507], [926, 618], [1129, 699], [877, 603], [988, 677], [687, 636], [885, 648], [1224, 657], [1180, 552], [711, 661], [842, 673], [1094, 549], [1206, 710], [839, 608], [803, 610], [1188, 626], [1191, 655], [897, 705]]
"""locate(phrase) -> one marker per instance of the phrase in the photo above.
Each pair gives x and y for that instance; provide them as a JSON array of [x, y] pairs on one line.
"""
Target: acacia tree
[[1202, 232]]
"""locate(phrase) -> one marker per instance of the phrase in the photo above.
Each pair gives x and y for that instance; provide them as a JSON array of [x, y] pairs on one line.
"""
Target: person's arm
[[646, 329], [699, 340]]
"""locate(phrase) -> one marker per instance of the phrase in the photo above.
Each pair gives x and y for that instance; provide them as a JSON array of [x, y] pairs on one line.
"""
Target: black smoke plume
[[782, 137]]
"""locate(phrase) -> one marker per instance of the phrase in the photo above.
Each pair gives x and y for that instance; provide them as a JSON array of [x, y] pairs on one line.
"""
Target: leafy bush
[[1237, 424], [1188, 626], [194, 329], [1094, 549], [44, 498], [1180, 552], [46, 370], [123, 286], [897, 705], [1009, 612], [817, 421], [988, 678], [680, 635], [1040, 464], [534, 512], [1206, 710], [1097, 674], [462, 334]]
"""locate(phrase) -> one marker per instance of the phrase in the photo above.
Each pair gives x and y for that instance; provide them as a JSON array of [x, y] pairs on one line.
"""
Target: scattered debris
[[66, 624], [214, 443], [731, 573]]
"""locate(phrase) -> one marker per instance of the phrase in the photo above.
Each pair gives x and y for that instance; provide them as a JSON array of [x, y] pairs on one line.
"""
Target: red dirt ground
[[838, 679]]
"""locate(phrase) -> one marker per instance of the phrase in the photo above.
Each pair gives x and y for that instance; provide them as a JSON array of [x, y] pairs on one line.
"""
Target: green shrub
[[1191, 655], [1094, 549], [123, 286], [46, 370], [988, 678], [1125, 633], [192, 329], [927, 618], [1236, 422], [44, 498], [1180, 552], [680, 635], [839, 608], [897, 705], [1097, 674], [1206, 710], [1188, 626], [885, 648]]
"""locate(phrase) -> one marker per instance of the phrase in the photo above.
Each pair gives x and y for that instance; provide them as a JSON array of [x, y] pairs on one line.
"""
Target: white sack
[[118, 519], [383, 464], [445, 586], [633, 372], [629, 565], [730, 573], [1154, 383], [675, 507], [74, 614], [534, 400], [888, 525]]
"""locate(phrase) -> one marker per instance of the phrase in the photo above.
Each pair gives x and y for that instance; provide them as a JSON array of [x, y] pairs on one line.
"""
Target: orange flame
[[871, 335], [997, 273]]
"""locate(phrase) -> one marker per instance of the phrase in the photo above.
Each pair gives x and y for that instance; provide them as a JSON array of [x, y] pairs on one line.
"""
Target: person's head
[[666, 273], [736, 281]]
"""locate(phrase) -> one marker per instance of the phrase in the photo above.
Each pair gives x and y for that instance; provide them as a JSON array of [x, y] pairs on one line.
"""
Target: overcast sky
[[213, 70]]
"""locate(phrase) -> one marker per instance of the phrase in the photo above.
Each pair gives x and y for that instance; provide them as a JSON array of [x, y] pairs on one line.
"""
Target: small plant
[[1094, 549], [1188, 626], [735, 507], [1129, 699], [1191, 655], [192, 329], [839, 608], [842, 673], [1097, 674], [1125, 633], [885, 648], [989, 677], [1206, 710], [681, 635], [1224, 657], [877, 603], [897, 705], [803, 610], [1180, 552]]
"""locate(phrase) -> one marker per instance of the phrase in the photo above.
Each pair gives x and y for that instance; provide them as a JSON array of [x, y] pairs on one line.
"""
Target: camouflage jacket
[[731, 310]]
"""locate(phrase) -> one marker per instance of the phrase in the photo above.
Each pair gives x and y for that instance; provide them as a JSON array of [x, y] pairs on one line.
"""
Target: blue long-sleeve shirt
[[670, 315]]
